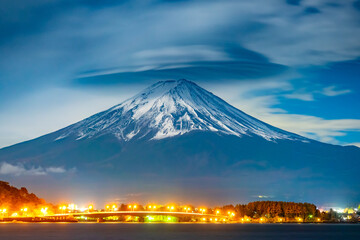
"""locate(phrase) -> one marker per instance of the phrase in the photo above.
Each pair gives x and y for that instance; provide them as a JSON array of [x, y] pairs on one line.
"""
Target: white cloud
[[294, 38], [310, 95], [55, 170], [178, 54], [314, 127], [19, 169], [331, 91], [300, 96], [8, 169]]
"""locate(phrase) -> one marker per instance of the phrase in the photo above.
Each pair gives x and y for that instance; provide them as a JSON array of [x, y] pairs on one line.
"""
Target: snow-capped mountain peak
[[172, 108]]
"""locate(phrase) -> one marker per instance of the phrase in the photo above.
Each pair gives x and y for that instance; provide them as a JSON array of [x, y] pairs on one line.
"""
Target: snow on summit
[[172, 108]]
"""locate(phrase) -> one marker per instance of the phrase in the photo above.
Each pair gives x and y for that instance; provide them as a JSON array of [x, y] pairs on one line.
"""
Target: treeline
[[272, 209], [13, 199]]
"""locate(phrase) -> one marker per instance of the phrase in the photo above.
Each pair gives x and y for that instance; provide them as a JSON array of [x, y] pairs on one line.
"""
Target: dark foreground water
[[109, 231]]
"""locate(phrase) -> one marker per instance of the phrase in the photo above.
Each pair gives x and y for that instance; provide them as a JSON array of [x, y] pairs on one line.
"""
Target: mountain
[[174, 140], [173, 108]]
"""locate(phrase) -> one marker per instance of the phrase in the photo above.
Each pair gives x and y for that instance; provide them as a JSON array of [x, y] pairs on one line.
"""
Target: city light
[[132, 207], [174, 211], [202, 210], [151, 207], [44, 210], [91, 207]]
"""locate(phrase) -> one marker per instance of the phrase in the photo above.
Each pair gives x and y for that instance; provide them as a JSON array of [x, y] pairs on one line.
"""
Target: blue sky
[[292, 63]]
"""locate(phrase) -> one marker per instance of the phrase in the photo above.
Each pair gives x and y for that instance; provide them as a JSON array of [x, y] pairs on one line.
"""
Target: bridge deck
[[136, 213]]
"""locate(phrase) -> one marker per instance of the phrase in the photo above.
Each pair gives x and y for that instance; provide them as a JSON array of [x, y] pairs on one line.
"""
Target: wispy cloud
[[300, 96], [263, 196], [180, 54], [325, 130], [19, 169], [310, 95], [331, 91]]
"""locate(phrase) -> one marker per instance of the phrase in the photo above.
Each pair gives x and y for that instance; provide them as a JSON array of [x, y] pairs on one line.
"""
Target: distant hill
[[14, 199]]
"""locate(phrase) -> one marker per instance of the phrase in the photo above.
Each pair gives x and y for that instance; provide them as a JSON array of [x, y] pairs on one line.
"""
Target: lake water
[[136, 231]]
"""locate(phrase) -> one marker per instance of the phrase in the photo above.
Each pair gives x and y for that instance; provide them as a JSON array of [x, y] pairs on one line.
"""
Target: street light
[[152, 207], [114, 207], [90, 208], [132, 207]]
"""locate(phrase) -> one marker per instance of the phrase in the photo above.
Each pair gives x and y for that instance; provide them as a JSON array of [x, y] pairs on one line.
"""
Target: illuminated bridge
[[140, 216], [147, 215]]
